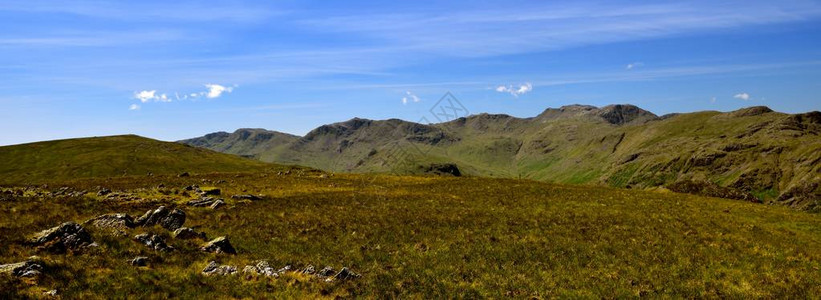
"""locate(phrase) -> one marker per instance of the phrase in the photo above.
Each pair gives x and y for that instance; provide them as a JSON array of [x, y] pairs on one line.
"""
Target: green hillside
[[111, 156], [752, 153]]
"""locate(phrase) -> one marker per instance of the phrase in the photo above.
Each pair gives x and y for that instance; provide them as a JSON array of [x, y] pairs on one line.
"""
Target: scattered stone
[[219, 245], [284, 269], [170, 220], [185, 233], [117, 223], [140, 261], [326, 272], [67, 236], [217, 204], [51, 293], [344, 274], [215, 269], [29, 268], [211, 192], [103, 192], [184, 174], [246, 197], [203, 202], [154, 241], [262, 268], [309, 270]]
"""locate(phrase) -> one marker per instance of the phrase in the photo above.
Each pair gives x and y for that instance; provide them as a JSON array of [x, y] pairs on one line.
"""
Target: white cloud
[[216, 90], [713, 100], [634, 65], [145, 96], [134, 107], [410, 97], [742, 96], [516, 91]]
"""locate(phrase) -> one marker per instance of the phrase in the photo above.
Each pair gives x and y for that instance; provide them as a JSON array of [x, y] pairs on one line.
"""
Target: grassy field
[[426, 237]]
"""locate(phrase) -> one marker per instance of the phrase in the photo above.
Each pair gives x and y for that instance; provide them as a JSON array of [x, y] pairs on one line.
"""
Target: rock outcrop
[[29, 268], [117, 224], [168, 219], [219, 245], [67, 236]]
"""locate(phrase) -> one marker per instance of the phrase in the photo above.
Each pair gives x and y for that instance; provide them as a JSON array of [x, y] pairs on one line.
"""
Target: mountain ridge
[[751, 151]]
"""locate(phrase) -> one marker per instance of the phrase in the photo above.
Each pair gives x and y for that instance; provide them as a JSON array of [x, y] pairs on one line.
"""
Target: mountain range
[[753, 153]]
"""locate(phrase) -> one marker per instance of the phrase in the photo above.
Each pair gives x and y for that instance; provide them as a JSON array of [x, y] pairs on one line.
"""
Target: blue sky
[[177, 69]]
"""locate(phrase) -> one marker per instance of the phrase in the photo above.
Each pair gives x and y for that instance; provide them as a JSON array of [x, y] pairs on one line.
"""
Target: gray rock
[[67, 236], [215, 269], [153, 241], [203, 202], [219, 245], [309, 270], [212, 192], [326, 272], [116, 223], [103, 192], [140, 261], [217, 204], [29, 268], [51, 293], [170, 220], [185, 233], [345, 274]]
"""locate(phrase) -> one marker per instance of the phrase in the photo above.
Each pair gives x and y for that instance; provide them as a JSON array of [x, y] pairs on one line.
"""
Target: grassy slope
[[111, 156], [422, 237]]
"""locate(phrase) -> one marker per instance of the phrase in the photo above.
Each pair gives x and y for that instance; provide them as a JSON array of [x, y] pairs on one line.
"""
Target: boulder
[[153, 241], [29, 268], [67, 236], [170, 220], [118, 224], [185, 233], [219, 245], [215, 269], [184, 174]]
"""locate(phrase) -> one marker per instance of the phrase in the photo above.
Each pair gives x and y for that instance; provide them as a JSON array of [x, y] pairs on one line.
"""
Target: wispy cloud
[[543, 27], [630, 66], [410, 97], [516, 91], [134, 107], [177, 11], [742, 96]]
